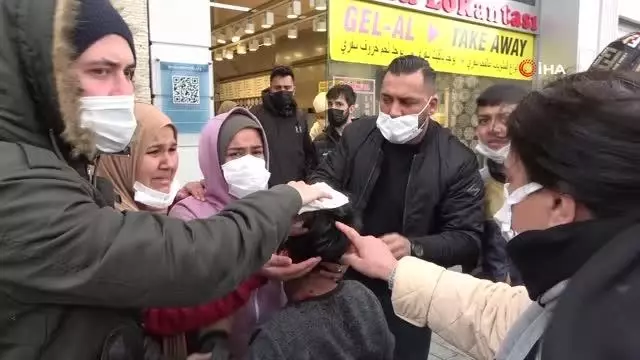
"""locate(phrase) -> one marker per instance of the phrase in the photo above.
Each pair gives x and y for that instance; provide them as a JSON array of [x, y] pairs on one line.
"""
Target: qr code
[[186, 90]]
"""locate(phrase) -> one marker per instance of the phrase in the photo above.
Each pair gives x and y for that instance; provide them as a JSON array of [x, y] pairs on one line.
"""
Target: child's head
[[323, 239], [493, 108]]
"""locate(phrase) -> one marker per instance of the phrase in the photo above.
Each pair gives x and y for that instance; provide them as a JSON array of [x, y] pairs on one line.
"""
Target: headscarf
[[268, 299], [216, 187], [227, 106], [121, 170]]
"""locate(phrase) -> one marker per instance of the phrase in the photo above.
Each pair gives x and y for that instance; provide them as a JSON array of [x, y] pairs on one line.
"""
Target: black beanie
[[622, 54], [95, 20]]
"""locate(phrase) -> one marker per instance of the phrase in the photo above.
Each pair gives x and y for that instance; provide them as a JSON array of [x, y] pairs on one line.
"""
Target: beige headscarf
[[120, 169], [226, 106]]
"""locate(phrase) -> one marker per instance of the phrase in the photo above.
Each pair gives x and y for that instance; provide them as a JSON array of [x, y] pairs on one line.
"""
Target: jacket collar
[[547, 257]]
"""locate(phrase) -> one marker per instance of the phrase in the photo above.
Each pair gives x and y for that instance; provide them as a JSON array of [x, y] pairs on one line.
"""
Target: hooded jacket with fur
[[71, 267]]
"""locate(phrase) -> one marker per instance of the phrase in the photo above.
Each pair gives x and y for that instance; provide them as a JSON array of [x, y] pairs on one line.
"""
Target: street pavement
[[441, 350]]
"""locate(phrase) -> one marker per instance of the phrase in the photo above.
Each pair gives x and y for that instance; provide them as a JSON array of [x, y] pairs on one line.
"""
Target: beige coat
[[472, 314]]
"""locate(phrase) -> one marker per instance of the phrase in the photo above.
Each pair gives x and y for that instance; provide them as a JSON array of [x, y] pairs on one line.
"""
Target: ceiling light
[[241, 49], [228, 54], [217, 56], [268, 20], [236, 36], [320, 24], [250, 28], [229, 7], [319, 5], [292, 33], [295, 9], [253, 45], [268, 40], [220, 39]]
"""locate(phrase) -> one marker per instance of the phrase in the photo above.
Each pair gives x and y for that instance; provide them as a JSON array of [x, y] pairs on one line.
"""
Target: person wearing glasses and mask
[[74, 271], [341, 100], [418, 187]]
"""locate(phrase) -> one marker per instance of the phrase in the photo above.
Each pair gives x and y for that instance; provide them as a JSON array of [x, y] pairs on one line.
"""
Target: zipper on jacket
[[375, 168], [406, 195]]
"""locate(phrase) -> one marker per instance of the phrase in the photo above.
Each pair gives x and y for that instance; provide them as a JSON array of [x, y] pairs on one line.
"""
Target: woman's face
[[159, 162], [540, 210], [245, 142]]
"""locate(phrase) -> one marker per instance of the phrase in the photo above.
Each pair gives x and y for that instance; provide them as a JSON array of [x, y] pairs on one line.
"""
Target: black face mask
[[282, 100], [336, 117]]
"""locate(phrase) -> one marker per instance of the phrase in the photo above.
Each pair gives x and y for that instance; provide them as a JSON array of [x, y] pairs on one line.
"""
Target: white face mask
[[112, 120], [402, 129], [498, 156], [246, 175], [154, 198], [503, 216]]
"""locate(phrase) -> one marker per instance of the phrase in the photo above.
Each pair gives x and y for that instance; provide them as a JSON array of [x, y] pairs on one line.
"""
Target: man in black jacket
[[292, 156], [341, 103], [417, 186]]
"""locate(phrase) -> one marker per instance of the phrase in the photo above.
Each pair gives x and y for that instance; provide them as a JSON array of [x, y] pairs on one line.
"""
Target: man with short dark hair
[[341, 104], [417, 185], [493, 108], [292, 155]]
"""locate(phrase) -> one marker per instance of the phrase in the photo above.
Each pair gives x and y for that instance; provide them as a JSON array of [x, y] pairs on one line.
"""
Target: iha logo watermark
[[527, 68]]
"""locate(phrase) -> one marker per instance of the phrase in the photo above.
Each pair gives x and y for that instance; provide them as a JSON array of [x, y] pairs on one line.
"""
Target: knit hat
[[622, 54], [95, 20]]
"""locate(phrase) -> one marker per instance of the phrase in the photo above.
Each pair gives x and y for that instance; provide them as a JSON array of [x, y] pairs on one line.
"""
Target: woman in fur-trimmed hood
[[70, 266]]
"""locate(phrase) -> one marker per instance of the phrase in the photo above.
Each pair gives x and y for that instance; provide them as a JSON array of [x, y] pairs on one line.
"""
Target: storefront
[[249, 41], [467, 53], [471, 44]]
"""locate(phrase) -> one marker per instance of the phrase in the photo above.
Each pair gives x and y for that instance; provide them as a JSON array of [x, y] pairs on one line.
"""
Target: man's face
[[407, 94], [282, 83], [106, 68], [492, 125], [341, 104]]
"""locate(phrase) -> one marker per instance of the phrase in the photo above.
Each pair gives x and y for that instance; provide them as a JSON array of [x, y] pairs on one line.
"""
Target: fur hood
[[39, 95]]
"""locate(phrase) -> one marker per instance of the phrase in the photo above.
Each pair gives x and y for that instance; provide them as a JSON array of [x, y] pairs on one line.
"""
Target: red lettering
[[526, 21], [463, 8], [534, 23], [434, 4], [409, 2], [449, 6], [516, 19]]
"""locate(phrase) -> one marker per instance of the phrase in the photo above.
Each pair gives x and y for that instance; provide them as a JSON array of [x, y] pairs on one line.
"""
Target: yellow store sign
[[365, 33]]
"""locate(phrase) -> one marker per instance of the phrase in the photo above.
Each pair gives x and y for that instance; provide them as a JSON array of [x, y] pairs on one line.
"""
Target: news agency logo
[[527, 68]]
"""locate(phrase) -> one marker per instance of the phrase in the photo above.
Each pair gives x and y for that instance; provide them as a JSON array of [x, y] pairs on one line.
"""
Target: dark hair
[[410, 64], [342, 89], [500, 94], [281, 71], [323, 238], [581, 136]]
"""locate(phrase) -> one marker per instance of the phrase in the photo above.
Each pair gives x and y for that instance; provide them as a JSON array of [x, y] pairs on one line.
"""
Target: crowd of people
[[335, 246]]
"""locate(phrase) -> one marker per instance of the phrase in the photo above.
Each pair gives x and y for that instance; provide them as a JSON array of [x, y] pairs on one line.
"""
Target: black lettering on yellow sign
[[477, 40], [508, 46]]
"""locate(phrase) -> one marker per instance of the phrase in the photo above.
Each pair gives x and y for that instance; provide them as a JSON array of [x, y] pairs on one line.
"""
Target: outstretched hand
[[369, 255], [282, 268], [309, 193]]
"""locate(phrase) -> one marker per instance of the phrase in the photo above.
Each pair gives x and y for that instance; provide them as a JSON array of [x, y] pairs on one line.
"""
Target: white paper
[[337, 200]]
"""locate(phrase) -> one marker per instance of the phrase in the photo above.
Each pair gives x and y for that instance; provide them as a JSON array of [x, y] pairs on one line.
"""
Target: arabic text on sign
[[372, 34]]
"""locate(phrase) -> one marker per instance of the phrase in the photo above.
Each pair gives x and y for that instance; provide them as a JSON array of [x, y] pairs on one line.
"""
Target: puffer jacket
[[472, 314], [73, 272]]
